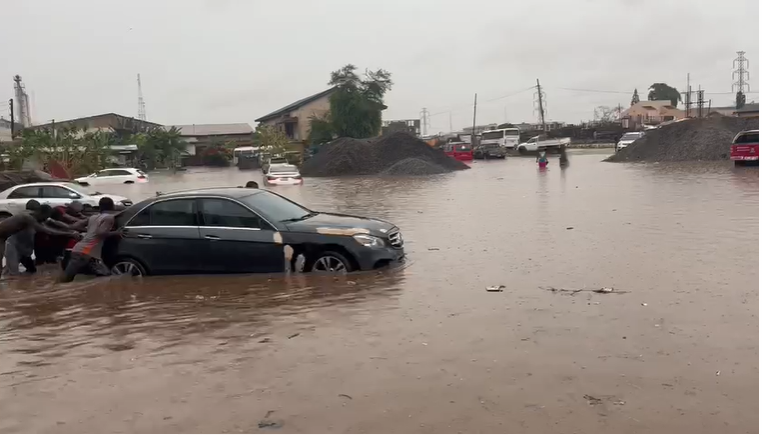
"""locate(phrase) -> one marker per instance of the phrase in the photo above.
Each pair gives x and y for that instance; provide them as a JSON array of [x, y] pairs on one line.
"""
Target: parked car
[[273, 161], [459, 151], [628, 138], [489, 151], [282, 174], [240, 230], [13, 200], [114, 176], [543, 143], [745, 148]]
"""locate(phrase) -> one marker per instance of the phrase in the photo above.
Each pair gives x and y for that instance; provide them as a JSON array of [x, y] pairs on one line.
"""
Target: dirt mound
[[347, 156], [414, 166], [693, 139]]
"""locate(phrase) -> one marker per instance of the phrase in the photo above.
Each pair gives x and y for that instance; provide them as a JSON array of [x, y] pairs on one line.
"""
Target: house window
[[290, 130]]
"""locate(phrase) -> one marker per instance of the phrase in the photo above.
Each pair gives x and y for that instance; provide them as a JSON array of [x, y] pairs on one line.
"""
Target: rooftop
[[213, 129], [295, 105]]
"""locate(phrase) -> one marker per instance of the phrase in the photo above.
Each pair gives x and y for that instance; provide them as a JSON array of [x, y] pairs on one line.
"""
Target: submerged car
[[627, 139], [13, 200], [745, 148], [244, 230], [489, 151], [114, 176], [282, 174]]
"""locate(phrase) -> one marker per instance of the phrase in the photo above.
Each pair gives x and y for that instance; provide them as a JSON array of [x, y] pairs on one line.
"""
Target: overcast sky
[[220, 61]]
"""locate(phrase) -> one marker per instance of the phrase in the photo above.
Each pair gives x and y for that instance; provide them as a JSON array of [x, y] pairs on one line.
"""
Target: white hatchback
[[13, 200], [114, 176]]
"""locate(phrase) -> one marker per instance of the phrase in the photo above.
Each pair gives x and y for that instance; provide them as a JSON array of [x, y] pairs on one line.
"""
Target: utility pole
[[541, 107], [473, 130], [425, 121], [13, 120], [688, 97], [700, 102], [451, 121]]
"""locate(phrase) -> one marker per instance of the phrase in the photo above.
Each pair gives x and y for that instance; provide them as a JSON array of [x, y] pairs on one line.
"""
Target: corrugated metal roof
[[213, 129], [295, 105]]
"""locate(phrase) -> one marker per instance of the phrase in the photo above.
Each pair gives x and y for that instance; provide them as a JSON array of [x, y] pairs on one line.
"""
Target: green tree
[[271, 140], [79, 152], [740, 100], [662, 91], [357, 103], [321, 131]]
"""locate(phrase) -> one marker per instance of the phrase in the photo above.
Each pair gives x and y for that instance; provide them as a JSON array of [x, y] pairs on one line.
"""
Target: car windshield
[[276, 207], [283, 168], [750, 137], [631, 136]]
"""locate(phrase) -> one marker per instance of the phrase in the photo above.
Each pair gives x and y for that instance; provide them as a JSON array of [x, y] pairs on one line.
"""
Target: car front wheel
[[329, 262], [129, 267]]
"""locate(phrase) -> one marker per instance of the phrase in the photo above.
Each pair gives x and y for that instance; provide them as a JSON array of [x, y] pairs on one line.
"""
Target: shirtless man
[[29, 221], [86, 254]]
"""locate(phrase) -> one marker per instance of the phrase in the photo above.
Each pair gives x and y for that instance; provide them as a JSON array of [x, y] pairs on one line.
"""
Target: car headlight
[[368, 240]]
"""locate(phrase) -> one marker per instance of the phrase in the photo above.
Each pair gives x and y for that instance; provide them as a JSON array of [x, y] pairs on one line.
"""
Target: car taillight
[[297, 177], [141, 177], [270, 177]]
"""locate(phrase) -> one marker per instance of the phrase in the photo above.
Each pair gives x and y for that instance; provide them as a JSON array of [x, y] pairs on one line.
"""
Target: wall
[[318, 108]]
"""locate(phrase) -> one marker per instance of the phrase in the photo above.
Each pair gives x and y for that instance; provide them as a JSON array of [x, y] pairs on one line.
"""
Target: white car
[[543, 143], [283, 175], [13, 200], [628, 138], [114, 176]]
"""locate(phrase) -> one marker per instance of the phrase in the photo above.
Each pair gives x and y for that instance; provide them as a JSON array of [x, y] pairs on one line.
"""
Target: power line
[[486, 101], [601, 91]]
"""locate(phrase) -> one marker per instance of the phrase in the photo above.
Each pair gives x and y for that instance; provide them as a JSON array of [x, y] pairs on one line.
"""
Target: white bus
[[507, 138]]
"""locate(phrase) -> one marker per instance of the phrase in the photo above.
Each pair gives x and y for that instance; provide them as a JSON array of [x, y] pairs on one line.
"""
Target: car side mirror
[[73, 195]]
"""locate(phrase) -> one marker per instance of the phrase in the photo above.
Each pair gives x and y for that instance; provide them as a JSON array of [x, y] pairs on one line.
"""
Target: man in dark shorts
[[86, 254], [28, 222]]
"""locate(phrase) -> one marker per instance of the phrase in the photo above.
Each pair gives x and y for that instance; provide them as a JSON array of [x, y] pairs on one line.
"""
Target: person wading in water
[[29, 222], [86, 254]]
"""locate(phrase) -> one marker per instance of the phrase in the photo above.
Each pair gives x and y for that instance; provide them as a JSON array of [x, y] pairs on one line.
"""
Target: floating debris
[[495, 288], [294, 335], [346, 395], [573, 291]]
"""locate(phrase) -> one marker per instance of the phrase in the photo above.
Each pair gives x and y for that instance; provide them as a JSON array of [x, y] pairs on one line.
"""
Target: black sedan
[[243, 230]]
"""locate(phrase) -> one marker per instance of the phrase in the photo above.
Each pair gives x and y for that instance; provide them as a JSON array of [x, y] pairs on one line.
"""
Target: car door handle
[[144, 236], [211, 238]]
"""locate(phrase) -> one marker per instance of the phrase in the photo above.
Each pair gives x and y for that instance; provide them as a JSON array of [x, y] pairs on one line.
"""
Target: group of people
[[45, 232], [542, 158]]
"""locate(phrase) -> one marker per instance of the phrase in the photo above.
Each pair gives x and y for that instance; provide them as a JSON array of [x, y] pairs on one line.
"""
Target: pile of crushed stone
[[690, 140], [414, 166], [395, 154]]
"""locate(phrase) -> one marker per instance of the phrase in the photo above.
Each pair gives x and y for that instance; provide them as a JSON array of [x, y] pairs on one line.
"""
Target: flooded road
[[426, 348]]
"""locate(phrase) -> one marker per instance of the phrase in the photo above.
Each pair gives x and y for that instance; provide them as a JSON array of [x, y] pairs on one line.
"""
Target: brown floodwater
[[426, 348]]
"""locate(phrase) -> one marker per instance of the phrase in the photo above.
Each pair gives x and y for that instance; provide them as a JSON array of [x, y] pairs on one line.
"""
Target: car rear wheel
[[329, 262], [4, 216], [128, 267]]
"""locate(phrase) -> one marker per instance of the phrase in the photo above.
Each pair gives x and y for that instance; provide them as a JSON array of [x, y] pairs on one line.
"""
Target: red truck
[[459, 151], [745, 148]]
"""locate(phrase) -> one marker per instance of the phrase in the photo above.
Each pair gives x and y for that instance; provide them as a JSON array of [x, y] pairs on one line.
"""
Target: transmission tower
[[424, 121], [741, 76], [540, 105], [22, 100], [141, 103]]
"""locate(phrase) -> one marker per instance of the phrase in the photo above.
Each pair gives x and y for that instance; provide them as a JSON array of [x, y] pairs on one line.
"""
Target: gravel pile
[[395, 154], [414, 166], [693, 139]]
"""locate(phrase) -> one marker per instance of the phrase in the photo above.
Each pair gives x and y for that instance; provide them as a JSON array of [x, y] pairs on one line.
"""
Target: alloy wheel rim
[[126, 268], [330, 263]]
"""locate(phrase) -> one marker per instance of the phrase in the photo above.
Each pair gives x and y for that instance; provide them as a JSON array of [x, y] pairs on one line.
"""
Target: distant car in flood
[[745, 148], [13, 201], [489, 151], [244, 230], [459, 151], [627, 139], [114, 176], [282, 175]]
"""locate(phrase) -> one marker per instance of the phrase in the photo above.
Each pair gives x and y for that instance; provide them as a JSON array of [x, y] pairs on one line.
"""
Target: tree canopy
[[357, 103], [663, 91]]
